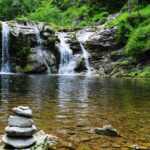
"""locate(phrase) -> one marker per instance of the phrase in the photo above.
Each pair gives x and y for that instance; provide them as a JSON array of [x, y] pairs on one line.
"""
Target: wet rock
[[23, 107], [45, 141], [17, 131], [138, 147], [107, 130], [46, 34], [106, 146], [21, 42], [19, 142], [23, 111], [116, 146], [66, 144], [134, 147], [16, 121]]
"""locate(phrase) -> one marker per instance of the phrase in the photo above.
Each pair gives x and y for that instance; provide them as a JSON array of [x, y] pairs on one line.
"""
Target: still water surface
[[64, 104]]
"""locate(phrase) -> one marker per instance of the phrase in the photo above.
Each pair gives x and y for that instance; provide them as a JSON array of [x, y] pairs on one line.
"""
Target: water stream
[[85, 54], [5, 68], [67, 62], [40, 46]]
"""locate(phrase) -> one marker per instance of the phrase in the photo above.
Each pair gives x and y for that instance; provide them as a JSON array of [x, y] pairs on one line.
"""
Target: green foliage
[[123, 32], [145, 72], [124, 63], [46, 13], [101, 17], [66, 13], [10, 9], [139, 42], [129, 18], [23, 54], [133, 31], [25, 69]]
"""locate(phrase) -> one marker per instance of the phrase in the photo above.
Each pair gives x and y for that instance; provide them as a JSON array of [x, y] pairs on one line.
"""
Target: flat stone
[[20, 132], [18, 142], [16, 121], [23, 111]]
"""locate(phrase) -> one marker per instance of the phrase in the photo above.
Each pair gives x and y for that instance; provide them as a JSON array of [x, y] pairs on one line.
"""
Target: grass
[[133, 31]]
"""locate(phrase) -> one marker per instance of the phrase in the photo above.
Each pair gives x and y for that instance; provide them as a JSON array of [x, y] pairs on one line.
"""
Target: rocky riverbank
[[106, 56]]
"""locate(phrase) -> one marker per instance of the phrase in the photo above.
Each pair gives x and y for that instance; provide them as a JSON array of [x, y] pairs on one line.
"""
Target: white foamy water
[[40, 46], [82, 38], [67, 62], [5, 68]]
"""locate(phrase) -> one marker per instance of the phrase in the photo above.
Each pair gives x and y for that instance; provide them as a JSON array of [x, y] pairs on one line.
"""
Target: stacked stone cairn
[[20, 129]]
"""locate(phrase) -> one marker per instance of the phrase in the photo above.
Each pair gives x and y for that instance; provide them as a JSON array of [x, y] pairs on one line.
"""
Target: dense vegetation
[[68, 13]]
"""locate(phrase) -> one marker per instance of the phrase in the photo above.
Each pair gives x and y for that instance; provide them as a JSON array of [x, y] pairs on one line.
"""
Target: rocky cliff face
[[23, 47], [25, 56], [105, 54]]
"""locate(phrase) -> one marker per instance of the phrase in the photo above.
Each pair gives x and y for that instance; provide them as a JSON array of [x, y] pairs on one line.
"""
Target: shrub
[[139, 41]]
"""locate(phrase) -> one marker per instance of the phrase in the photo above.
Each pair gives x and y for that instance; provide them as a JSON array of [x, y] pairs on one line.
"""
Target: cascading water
[[85, 54], [5, 68], [40, 45], [67, 62]]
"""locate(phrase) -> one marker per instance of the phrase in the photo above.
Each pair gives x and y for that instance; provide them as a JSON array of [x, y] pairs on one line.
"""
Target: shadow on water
[[61, 103]]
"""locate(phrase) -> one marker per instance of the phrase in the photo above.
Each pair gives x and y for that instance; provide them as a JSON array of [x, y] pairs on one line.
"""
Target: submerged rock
[[107, 130], [19, 142]]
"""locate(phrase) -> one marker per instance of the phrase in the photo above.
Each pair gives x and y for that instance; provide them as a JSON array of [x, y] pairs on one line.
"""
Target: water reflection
[[4, 88], [71, 88], [59, 102], [73, 95]]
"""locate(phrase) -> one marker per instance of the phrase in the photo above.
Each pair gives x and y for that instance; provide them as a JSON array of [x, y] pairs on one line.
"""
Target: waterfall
[[86, 58], [67, 62], [85, 54], [5, 68], [40, 45]]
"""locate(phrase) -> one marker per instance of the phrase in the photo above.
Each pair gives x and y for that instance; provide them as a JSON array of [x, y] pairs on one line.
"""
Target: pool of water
[[69, 106]]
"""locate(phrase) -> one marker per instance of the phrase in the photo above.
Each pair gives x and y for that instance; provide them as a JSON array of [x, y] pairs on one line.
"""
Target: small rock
[[135, 147], [106, 145], [16, 131], [46, 34], [16, 121], [66, 144], [107, 130], [116, 146], [23, 111], [18, 142], [52, 138], [23, 107]]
